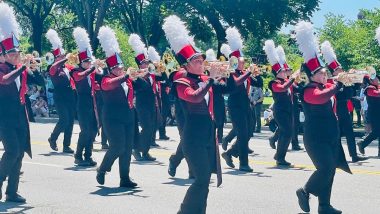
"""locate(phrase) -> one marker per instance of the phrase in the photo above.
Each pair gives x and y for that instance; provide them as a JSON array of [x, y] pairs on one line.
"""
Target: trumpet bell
[[49, 58], [72, 59], [35, 54], [234, 62]]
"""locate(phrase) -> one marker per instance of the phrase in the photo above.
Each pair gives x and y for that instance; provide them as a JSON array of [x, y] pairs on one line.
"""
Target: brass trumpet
[[72, 59], [223, 69], [98, 63], [31, 61], [351, 78], [135, 73]]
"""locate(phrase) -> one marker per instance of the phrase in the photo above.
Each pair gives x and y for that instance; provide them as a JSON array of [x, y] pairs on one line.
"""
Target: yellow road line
[[166, 154]]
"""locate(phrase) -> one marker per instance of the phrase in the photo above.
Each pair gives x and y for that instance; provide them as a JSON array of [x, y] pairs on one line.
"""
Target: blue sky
[[348, 8]]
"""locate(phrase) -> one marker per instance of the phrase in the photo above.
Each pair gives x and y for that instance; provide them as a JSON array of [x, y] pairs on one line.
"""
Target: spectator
[[40, 107]]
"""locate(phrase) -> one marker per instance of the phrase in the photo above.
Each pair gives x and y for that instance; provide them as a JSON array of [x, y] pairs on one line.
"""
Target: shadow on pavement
[[158, 163], [180, 181], [117, 191], [81, 168], [241, 173], [10, 207], [55, 154]]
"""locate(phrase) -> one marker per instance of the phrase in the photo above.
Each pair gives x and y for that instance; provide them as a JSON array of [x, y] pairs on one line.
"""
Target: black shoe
[[67, 149], [164, 138], [303, 200], [328, 209], [105, 146], [79, 161], [155, 145], [148, 157], [361, 147], [15, 198], [245, 168], [224, 144], [127, 183], [53, 144], [283, 163], [297, 148], [100, 177], [228, 159], [137, 155], [172, 170], [90, 162], [358, 158], [272, 143], [250, 151]]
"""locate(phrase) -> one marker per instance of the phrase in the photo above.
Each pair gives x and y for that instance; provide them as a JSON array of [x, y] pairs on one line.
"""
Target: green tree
[[354, 41], [36, 13]]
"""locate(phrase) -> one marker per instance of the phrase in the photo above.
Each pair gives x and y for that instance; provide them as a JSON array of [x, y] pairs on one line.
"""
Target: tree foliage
[[354, 41]]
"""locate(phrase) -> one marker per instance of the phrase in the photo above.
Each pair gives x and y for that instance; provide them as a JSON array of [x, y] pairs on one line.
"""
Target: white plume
[[307, 42], [378, 34], [82, 39], [54, 39], [8, 21], [234, 39], [137, 45], [281, 55], [210, 55], [176, 33], [270, 51], [328, 52], [108, 41], [225, 50], [153, 54]]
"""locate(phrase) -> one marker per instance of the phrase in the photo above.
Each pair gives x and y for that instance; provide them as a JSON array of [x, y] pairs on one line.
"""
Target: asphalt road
[[52, 184]]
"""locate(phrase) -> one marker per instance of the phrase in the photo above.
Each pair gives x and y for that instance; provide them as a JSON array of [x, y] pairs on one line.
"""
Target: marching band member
[[321, 130], [238, 104], [196, 98], [160, 91], [281, 89], [118, 111], [342, 97], [219, 106], [84, 77], [14, 123], [146, 103], [372, 93], [296, 88], [64, 94]]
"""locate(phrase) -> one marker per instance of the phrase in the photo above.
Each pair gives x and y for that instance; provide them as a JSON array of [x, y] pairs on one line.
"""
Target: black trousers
[[374, 134], [324, 159], [284, 121], [148, 123], [231, 135], [176, 158], [88, 127], [14, 141], [99, 106], [121, 138], [165, 113], [257, 117], [199, 152], [345, 126], [66, 113], [241, 126], [296, 126]]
